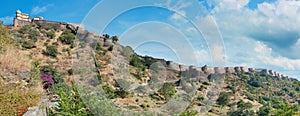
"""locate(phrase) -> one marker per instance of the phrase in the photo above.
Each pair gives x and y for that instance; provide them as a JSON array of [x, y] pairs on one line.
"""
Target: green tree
[[106, 35], [67, 37], [115, 38]]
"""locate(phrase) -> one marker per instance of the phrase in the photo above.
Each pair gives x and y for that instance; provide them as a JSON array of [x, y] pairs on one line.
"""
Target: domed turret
[[18, 12]]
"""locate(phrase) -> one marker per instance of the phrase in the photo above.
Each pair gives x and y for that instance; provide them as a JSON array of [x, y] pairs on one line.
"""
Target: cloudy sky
[[252, 33]]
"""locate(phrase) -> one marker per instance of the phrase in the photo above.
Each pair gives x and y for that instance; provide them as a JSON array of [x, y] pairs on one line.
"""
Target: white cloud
[[38, 9], [7, 19], [265, 55], [178, 8], [203, 57]]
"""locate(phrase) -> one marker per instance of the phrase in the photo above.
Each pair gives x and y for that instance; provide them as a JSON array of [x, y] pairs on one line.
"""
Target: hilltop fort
[[22, 19]]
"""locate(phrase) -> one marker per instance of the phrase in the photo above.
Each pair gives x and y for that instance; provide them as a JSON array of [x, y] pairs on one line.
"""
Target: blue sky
[[254, 33]]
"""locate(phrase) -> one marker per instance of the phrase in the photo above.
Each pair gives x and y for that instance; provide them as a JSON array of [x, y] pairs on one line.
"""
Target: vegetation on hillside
[[44, 54]]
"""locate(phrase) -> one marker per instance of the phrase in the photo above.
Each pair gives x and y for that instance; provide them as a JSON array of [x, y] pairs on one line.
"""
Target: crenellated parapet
[[206, 70]]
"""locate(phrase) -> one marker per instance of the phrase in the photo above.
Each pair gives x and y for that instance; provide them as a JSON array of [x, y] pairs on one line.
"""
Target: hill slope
[[95, 75]]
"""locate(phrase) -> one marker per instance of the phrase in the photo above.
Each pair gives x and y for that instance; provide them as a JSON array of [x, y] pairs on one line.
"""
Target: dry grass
[[15, 101], [14, 61]]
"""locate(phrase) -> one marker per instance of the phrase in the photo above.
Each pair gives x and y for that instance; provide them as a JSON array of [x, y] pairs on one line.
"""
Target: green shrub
[[70, 103], [232, 88], [109, 91], [168, 90], [224, 98], [149, 61], [67, 37], [241, 112], [33, 35], [24, 29], [189, 113], [121, 93], [110, 48], [51, 51], [255, 82], [27, 44], [136, 61], [241, 104], [70, 71], [206, 83], [50, 34], [202, 87], [264, 111], [73, 44]]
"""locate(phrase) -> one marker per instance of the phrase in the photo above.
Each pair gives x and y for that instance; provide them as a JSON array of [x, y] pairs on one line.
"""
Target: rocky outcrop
[[108, 42], [39, 110], [173, 66]]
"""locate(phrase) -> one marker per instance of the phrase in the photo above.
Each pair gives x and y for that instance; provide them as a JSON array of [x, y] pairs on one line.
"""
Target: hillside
[[74, 72]]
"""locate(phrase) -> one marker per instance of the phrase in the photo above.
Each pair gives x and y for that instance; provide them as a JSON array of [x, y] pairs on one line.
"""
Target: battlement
[[192, 70], [23, 19]]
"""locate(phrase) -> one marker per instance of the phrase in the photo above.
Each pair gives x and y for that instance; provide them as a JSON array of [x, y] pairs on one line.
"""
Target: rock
[[172, 66], [24, 76], [183, 67], [108, 42], [39, 110]]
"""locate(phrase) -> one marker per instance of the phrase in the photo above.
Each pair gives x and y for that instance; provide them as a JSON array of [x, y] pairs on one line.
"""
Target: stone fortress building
[[23, 19]]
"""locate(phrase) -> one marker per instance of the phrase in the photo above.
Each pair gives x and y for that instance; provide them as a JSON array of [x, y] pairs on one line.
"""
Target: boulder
[[39, 110], [108, 42]]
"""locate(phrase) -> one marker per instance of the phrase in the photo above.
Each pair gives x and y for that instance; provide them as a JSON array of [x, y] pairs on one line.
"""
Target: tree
[[115, 38], [67, 37], [106, 35]]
